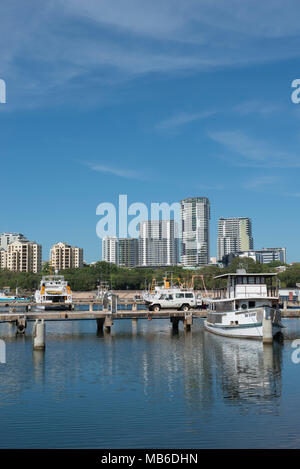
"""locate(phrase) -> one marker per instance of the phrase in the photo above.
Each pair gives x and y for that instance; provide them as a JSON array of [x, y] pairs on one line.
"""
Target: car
[[180, 300]]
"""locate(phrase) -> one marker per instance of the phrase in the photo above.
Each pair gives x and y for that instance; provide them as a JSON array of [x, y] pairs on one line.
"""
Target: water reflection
[[140, 386], [246, 371]]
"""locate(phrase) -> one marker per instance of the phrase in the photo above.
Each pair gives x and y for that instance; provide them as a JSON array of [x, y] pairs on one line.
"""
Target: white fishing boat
[[54, 293], [246, 308]]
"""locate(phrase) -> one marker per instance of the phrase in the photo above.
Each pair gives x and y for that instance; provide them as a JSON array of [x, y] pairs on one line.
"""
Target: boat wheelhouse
[[246, 306]]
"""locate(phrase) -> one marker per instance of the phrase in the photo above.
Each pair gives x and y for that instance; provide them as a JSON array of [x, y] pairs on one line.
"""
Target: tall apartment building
[[158, 243], [234, 235], [127, 252], [24, 256], [8, 238], [110, 249], [63, 256], [195, 216]]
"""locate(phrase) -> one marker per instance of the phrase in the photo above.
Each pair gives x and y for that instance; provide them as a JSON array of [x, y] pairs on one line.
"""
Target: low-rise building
[[264, 255]]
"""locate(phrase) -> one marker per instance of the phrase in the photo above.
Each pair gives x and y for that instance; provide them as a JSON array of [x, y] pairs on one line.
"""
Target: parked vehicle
[[180, 300]]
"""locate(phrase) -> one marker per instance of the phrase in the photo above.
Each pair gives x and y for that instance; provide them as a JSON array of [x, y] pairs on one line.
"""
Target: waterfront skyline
[[164, 121]]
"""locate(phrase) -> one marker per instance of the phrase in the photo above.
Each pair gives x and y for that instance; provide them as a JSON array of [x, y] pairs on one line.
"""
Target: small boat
[[6, 298], [54, 293], [247, 307]]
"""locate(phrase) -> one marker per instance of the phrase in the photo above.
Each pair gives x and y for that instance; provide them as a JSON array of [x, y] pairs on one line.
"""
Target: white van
[[179, 300]]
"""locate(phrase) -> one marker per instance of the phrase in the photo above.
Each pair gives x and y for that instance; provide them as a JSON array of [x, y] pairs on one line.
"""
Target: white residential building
[[195, 216], [158, 243], [234, 235], [24, 256], [64, 256], [110, 249]]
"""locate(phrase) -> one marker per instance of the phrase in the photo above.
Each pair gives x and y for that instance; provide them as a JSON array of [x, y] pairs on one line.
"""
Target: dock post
[[39, 335], [175, 321], [134, 323], [267, 331], [100, 323], [187, 322], [108, 323], [21, 324]]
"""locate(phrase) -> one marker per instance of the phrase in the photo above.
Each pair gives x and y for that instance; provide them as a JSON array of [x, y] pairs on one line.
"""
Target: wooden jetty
[[104, 317]]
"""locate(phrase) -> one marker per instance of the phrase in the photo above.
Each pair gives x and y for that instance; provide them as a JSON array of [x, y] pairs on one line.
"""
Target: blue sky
[[158, 100]]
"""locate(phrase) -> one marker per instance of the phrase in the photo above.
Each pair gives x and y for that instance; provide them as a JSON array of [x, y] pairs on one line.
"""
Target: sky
[[158, 100]]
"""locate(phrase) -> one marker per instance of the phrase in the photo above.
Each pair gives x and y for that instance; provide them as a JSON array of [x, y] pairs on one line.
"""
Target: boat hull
[[245, 331], [54, 307]]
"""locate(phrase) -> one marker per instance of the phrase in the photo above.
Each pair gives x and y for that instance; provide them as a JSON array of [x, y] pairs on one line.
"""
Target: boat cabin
[[243, 290]]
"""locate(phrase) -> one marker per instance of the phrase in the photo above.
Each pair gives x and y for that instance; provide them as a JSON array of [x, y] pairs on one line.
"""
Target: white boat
[[246, 308], [6, 298], [54, 293]]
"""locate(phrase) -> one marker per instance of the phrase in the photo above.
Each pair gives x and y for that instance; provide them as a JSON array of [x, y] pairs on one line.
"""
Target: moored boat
[[54, 293], [6, 298], [247, 307]]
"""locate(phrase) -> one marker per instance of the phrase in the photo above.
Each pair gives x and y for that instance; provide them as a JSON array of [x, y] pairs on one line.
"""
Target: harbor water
[[142, 386]]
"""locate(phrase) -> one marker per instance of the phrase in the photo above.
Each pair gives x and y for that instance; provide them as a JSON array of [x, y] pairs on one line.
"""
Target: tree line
[[119, 278]]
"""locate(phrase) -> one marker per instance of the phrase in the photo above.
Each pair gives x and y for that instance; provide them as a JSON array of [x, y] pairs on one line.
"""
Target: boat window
[[244, 306], [245, 280], [251, 304], [251, 280]]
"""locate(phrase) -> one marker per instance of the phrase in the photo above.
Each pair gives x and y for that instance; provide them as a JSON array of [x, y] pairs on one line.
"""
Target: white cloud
[[67, 48], [181, 119], [120, 172], [260, 183], [243, 150]]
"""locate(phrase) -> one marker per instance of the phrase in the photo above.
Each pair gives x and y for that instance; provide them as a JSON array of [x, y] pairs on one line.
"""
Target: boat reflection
[[246, 371]]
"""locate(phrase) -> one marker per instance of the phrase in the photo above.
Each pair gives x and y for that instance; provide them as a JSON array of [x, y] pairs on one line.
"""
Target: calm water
[[148, 388]]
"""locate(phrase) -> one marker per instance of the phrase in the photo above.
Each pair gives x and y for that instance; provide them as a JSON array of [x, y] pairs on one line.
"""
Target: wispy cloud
[[124, 173], [181, 119], [256, 107], [68, 48], [243, 150], [260, 183]]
